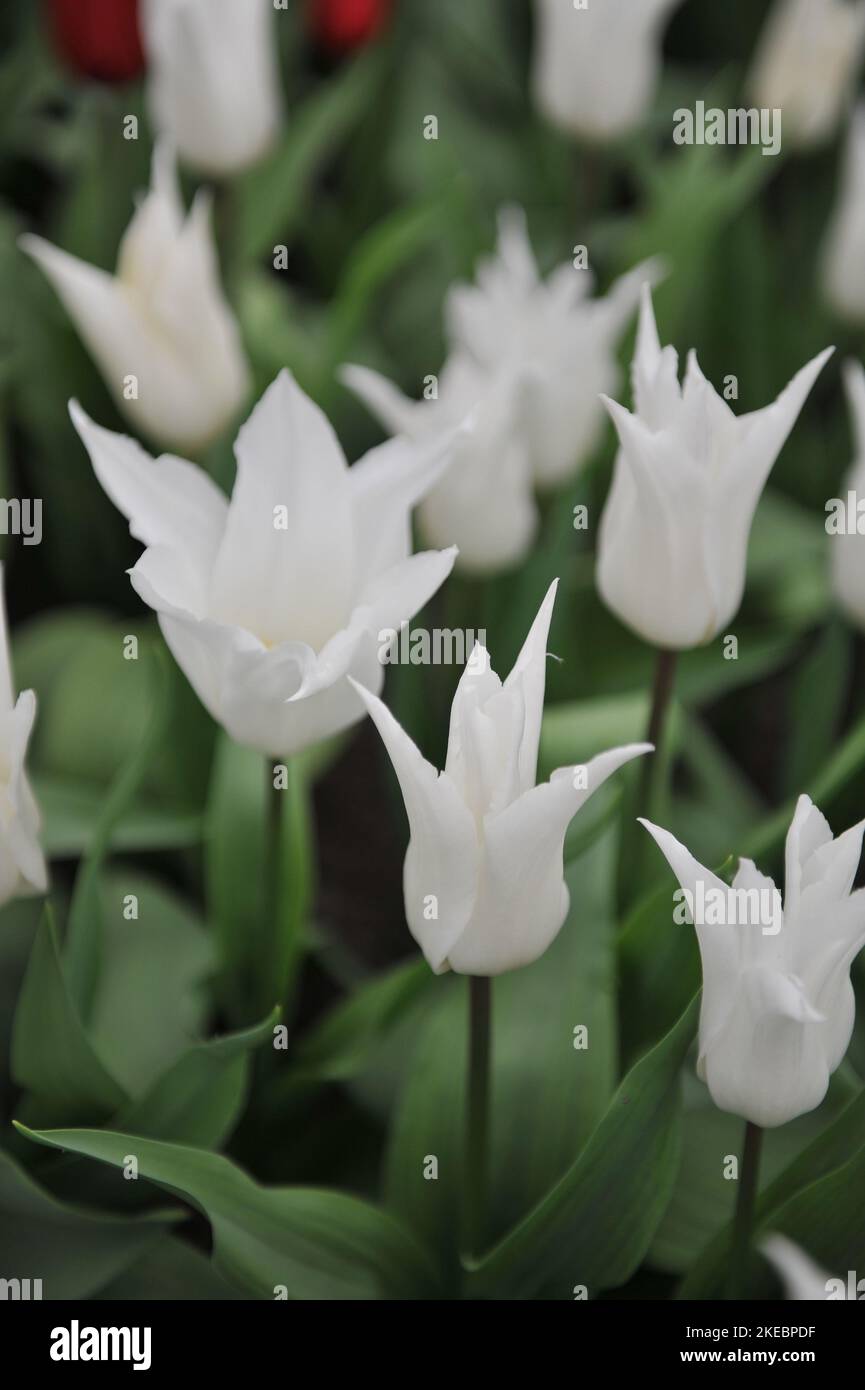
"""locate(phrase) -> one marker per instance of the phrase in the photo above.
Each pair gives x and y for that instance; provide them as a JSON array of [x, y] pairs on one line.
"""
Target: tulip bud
[[806, 64], [22, 863], [269, 601], [673, 536], [98, 38], [342, 25], [212, 79], [483, 880], [843, 254], [160, 329], [596, 65], [778, 1007], [529, 358], [847, 543]]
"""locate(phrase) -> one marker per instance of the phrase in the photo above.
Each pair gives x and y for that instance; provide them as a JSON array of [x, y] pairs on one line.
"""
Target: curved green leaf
[[314, 1245], [199, 1098], [74, 1252], [594, 1227], [52, 1057], [83, 942]]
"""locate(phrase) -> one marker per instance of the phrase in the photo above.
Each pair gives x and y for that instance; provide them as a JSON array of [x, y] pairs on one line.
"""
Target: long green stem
[[641, 796], [477, 1113], [662, 690], [743, 1221], [273, 865]]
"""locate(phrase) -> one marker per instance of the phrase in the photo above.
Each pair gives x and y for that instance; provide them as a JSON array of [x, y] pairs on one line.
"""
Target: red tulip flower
[[98, 38], [341, 25]]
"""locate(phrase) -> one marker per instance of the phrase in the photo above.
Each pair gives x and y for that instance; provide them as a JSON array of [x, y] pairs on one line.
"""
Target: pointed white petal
[[392, 599], [523, 900], [719, 945], [441, 867], [384, 486], [20, 832], [285, 567], [397, 412], [809, 829], [763, 433], [167, 501], [530, 673]]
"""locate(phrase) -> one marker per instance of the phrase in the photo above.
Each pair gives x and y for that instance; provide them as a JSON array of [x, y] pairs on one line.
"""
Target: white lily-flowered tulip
[[529, 358], [160, 329], [213, 86], [595, 67], [847, 547], [22, 863], [806, 62], [843, 253], [803, 1279], [673, 536], [778, 1006], [483, 878], [269, 601]]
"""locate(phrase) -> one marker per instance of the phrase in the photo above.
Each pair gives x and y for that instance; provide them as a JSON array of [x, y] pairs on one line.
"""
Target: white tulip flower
[[596, 66], [529, 359], [842, 259], [22, 863], [483, 878], [213, 86], [778, 1006], [160, 330], [806, 64], [673, 537], [847, 545], [269, 601]]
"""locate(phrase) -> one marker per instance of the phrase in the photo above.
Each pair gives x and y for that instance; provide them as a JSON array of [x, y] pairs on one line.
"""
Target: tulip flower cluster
[[529, 359]]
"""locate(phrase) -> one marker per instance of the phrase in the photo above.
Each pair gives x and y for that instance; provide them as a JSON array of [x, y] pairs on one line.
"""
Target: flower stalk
[[743, 1221], [477, 1113]]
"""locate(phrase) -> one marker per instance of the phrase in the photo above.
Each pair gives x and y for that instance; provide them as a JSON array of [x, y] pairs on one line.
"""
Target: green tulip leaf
[[593, 1228], [272, 1242], [198, 1100], [73, 1252], [150, 999], [170, 1271], [84, 930], [52, 1057], [341, 1045]]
